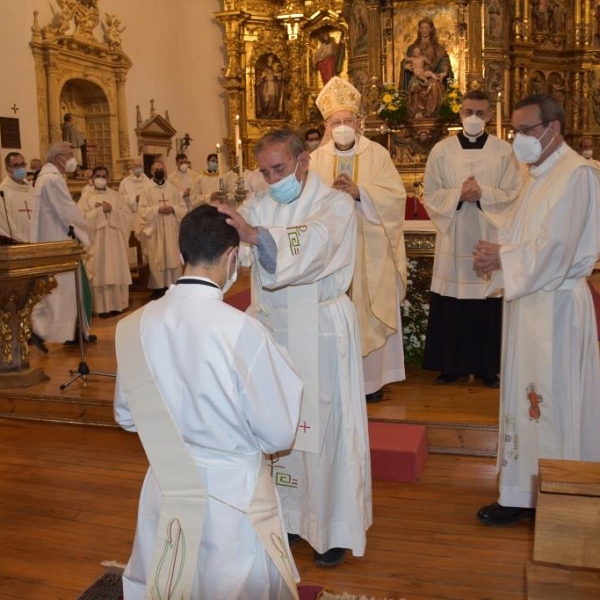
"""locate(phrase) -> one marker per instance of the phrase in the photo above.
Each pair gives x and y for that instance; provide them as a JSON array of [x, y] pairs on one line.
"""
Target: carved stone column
[[53, 71], [124, 149]]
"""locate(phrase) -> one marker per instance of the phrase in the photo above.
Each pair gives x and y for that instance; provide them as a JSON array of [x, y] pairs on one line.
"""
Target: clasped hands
[[343, 183], [104, 205], [470, 192], [486, 257]]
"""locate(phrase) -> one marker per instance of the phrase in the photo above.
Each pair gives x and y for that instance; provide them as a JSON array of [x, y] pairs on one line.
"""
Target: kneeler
[[184, 494]]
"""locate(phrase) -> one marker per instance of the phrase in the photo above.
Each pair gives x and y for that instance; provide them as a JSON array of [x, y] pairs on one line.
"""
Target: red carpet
[[241, 300], [596, 299]]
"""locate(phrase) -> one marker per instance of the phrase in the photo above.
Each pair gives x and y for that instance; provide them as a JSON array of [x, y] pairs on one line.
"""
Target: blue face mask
[[287, 189], [20, 173], [212, 166]]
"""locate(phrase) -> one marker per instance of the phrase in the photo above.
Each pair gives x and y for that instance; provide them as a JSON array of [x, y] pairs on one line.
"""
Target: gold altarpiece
[[512, 48]]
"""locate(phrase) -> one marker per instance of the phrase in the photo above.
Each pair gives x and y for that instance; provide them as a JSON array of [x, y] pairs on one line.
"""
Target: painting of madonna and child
[[424, 66]]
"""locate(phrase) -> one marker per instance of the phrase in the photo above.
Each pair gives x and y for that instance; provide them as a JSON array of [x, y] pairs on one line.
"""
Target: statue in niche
[[537, 83], [556, 17], [494, 22], [329, 57], [539, 15], [556, 87], [269, 87], [424, 94], [493, 77]]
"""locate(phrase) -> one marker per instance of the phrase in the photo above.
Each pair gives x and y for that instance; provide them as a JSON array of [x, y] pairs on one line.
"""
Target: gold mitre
[[336, 95]]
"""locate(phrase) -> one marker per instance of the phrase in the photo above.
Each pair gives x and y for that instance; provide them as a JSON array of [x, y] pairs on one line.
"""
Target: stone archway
[[89, 107]]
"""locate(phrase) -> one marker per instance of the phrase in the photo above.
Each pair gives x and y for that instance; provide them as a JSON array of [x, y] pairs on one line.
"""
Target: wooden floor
[[68, 499]]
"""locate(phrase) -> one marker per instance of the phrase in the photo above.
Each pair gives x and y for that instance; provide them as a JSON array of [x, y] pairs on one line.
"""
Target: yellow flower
[[455, 108], [392, 107], [387, 98]]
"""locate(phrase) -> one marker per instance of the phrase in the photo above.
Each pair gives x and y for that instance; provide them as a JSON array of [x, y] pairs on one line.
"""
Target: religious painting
[[424, 54], [359, 23], [269, 87], [328, 54]]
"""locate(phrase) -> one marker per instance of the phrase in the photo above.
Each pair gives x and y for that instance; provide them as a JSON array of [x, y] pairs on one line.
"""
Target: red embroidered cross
[[304, 426], [164, 201], [26, 209]]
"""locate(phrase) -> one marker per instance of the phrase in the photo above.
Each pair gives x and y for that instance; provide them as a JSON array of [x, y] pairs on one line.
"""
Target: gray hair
[[288, 137], [58, 148]]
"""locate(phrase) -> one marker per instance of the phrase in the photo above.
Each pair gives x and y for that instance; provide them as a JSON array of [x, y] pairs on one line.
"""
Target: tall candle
[[499, 116], [219, 159], [238, 146]]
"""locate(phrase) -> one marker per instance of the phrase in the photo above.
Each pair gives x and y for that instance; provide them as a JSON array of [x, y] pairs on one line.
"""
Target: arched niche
[[78, 72]]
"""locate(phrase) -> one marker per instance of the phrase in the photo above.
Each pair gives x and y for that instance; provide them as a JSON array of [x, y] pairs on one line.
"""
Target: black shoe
[[331, 558], [495, 514], [103, 315], [375, 396], [444, 379], [293, 537], [114, 313], [159, 293], [491, 382], [38, 342], [86, 340]]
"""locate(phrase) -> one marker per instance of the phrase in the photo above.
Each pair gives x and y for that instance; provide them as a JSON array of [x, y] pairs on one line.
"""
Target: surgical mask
[[159, 174], [343, 135], [212, 166], [312, 145], [20, 173], [100, 183], [71, 165], [473, 125], [286, 190], [587, 154], [231, 279], [183, 167], [137, 171], [528, 148]]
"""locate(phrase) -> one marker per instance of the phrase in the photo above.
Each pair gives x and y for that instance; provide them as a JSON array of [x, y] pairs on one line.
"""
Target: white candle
[[238, 145], [499, 116], [219, 159]]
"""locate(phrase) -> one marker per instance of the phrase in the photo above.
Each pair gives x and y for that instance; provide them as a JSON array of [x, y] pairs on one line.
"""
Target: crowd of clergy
[[322, 222]]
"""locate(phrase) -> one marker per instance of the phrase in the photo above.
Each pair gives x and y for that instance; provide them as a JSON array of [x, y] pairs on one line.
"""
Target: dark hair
[[550, 108], [276, 136], [99, 168], [211, 156], [477, 95], [9, 156], [204, 235], [311, 131], [180, 156]]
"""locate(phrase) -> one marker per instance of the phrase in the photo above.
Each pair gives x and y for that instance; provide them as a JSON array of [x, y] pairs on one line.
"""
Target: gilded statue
[[329, 57], [269, 87], [425, 72]]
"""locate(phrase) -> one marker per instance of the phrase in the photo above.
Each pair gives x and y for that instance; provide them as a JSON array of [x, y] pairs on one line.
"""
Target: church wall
[[177, 52]]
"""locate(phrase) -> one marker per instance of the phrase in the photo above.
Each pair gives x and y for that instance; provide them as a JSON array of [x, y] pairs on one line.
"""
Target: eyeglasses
[[18, 166], [526, 129]]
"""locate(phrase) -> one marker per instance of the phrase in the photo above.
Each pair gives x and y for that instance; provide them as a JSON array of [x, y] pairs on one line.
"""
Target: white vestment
[[131, 188], [205, 185], [158, 233], [184, 182], [326, 495], [55, 315], [106, 261], [233, 394], [497, 173], [379, 281], [18, 202], [549, 406]]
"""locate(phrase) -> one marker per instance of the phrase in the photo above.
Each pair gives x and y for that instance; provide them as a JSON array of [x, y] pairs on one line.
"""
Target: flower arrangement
[[392, 104], [451, 102], [415, 313]]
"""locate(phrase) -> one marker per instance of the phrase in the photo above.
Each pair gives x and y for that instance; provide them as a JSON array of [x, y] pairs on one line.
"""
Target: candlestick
[[499, 116], [219, 159], [240, 159]]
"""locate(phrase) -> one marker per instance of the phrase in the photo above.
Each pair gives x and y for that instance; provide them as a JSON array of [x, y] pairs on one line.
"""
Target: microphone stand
[[83, 369]]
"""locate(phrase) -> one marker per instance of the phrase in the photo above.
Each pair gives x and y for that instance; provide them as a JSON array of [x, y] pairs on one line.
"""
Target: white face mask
[[231, 279], [343, 135], [137, 171], [183, 167], [71, 165], [312, 145], [100, 183], [528, 149], [473, 125], [587, 154]]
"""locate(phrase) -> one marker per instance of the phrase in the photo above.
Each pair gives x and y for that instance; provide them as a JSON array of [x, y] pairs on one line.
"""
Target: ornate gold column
[[120, 79], [526, 22], [475, 38], [53, 71], [373, 15]]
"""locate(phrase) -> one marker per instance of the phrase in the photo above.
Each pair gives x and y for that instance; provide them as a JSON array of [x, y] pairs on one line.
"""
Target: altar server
[[217, 393], [17, 199], [364, 169], [471, 183], [130, 188], [183, 178], [549, 402]]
